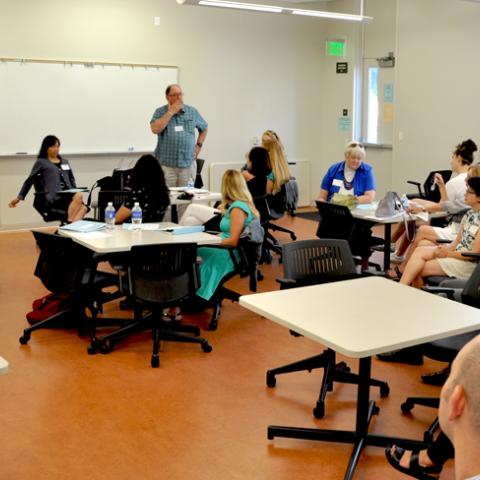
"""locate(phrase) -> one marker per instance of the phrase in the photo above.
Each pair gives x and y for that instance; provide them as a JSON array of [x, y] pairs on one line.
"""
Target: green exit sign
[[335, 48]]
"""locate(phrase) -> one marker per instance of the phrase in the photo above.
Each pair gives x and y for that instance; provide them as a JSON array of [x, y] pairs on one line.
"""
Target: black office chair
[[312, 262], [161, 276], [117, 197], [277, 206], [198, 177], [446, 350], [245, 258], [49, 213], [68, 269], [336, 221], [430, 189]]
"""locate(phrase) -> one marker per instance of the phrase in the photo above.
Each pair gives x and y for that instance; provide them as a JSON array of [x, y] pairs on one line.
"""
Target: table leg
[[360, 437], [174, 213], [386, 249]]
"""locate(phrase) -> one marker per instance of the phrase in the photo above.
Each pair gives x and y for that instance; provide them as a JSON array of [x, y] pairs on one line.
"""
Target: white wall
[[437, 90], [244, 71]]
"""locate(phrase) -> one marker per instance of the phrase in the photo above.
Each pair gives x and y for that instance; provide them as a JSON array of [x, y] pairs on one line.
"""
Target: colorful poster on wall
[[388, 93], [344, 124], [388, 112]]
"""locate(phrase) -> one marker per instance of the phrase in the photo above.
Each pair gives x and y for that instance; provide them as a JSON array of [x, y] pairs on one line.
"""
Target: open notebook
[[83, 226]]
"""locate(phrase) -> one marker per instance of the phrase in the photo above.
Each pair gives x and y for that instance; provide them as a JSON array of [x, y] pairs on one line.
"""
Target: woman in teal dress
[[238, 211]]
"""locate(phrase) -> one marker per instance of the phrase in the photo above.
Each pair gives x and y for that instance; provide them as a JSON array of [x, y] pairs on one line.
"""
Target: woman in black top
[[53, 174], [148, 189], [258, 168]]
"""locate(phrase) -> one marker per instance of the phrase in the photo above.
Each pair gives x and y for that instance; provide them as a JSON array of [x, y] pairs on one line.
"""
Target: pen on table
[[21, 153]]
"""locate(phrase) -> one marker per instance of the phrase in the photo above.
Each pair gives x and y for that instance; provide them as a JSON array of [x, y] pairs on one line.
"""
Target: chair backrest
[[318, 261], [430, 189], [471, 290], [62, 263], [336, 221], [117, 197], [163, 274], [261, 204]]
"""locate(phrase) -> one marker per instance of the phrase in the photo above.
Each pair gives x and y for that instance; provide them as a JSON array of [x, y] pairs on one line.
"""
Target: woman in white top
[[451, 197], [448, 260]]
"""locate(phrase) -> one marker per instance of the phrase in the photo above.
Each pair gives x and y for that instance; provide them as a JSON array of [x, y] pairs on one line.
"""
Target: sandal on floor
[[394, 273], [414, 469]]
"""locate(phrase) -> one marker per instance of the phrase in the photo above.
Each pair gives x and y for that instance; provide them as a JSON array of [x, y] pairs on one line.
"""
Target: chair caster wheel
[[293, 237], [342, 366], [105, 348], [376, 410], [24, 338], [319, 410], [155, 362], [206, 347], [428, 437], [212, 325], [271, 380], [384, 390], [406, 407]]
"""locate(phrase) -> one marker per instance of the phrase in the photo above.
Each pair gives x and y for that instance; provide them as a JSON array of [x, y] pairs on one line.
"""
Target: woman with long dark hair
[[55, 175], [148, 189]]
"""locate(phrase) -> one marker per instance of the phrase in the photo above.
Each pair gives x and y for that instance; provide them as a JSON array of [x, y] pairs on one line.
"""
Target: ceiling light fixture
[[276, 9], [241, 6]]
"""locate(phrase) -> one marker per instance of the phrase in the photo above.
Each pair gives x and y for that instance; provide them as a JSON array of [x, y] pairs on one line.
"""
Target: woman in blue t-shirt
[[350, 177]]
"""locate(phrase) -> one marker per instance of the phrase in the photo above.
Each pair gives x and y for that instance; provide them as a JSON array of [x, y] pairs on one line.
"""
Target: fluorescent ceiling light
[[276, 9], [332, 15], [241, 6]]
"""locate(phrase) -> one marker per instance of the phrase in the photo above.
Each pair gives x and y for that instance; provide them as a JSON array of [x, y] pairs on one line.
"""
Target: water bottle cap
[[136, 204], [110, 204]]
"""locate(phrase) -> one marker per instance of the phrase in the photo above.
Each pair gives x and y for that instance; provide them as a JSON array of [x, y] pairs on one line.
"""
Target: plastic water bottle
[[190, 184], [110, 216], [136, 216]]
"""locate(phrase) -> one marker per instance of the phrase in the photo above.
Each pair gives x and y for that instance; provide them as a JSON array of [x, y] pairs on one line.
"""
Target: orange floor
[[203, 416]]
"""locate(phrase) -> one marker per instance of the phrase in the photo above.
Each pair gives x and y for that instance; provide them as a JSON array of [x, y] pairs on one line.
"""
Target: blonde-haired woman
[[280, 172], [238, 211], [351, 177]]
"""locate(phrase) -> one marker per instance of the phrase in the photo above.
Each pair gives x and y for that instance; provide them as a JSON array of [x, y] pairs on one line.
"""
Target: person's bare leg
[[417, 263], [399, 231], [76, 209]]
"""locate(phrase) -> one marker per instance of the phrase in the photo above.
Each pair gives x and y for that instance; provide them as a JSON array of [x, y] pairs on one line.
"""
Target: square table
[[120, 239], [319, 313], [367, 212]]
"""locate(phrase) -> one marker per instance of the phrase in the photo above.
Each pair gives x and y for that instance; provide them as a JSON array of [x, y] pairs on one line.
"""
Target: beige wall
[[245, 72], [436, 86]]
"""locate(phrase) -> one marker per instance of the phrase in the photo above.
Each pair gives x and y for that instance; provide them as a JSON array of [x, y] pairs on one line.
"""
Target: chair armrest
[[471, 255], [417, 184], [286, 283], [449, 292], [442, 240]]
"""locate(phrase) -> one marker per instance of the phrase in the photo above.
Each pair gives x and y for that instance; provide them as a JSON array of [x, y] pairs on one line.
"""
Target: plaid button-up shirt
[[176, 143]]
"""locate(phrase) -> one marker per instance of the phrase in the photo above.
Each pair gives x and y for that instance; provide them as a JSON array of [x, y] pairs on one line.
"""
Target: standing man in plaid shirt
[[177, 148]]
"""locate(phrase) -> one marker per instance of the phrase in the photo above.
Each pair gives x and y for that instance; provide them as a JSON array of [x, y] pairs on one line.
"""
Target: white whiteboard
[[91, 108]]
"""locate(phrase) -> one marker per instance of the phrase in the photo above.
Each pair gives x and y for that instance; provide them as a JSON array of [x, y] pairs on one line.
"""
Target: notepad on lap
[[83, 226]]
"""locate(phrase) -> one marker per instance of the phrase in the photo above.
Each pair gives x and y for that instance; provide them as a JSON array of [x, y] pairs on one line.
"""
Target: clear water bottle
[[110, 216], [190, 184], [136, 216]]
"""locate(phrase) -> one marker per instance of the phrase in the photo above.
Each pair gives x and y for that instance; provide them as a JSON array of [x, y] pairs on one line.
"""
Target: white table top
[[197, 198], [365, 316], [122, 240], [3, 366], [367, 212]]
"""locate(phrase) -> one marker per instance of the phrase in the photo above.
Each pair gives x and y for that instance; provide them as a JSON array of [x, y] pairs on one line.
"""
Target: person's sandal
[[414, 469], [394, 273]]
